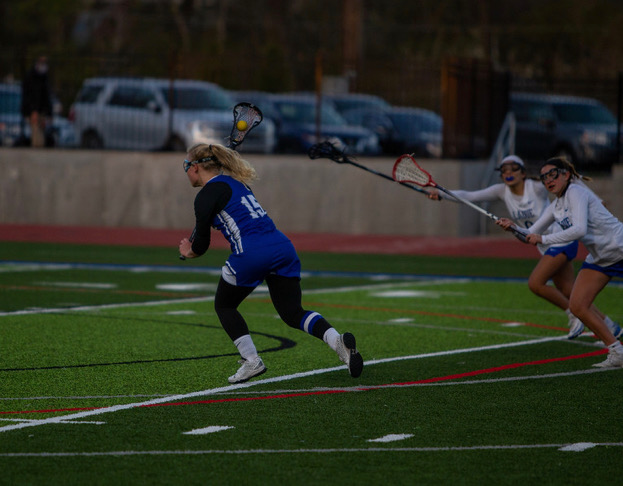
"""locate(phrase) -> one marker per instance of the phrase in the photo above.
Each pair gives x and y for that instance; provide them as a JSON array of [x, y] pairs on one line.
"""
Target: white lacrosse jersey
[[524, 210], [581, 215]]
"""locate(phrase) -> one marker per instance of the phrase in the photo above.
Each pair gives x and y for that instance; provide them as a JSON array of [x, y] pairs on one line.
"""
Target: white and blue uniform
[[258, 247], [523, 210], [580, 214], [259, 252]]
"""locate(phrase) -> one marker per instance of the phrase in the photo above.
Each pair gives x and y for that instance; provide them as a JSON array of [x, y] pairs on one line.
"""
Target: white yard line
[[256, 293], [285, 391], [56, 310], [87, 397], [577, 447], [277, 379], [232, 388]]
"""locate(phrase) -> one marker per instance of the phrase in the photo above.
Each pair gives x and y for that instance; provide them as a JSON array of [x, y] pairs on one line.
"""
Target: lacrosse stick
[[406, 169], [246, 118], [326, 150]]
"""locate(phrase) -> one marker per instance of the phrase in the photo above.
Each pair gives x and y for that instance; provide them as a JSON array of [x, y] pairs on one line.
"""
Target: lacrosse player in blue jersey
[[526, 199], [582, 216], [259, 252]]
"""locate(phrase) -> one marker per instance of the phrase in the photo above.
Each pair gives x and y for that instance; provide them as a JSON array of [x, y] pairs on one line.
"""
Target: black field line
[[575, 447]]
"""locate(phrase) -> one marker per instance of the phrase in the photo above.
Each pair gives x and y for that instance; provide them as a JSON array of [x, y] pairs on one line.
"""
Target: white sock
[[330, 337], [246, 348], [616, 347], [568, 312], [609, 322]]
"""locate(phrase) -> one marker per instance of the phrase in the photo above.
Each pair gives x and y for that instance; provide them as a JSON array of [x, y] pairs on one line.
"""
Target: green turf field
[[113, 370]]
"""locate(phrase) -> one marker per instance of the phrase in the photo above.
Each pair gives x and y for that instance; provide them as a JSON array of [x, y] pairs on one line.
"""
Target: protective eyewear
[[188, 163], [551, 175], [510, 168]]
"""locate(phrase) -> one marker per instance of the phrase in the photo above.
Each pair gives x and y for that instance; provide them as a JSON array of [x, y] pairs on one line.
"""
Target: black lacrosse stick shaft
[[326, 150]]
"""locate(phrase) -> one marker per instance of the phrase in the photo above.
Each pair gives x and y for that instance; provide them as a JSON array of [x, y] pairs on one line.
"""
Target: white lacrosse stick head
[[407, 170], [251, 115]]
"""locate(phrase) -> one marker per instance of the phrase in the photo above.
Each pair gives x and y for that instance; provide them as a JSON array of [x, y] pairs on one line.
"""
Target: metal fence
[[407, 84]]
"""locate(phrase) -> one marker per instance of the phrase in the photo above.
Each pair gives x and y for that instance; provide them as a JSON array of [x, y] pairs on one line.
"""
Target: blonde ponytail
[[219, 157]]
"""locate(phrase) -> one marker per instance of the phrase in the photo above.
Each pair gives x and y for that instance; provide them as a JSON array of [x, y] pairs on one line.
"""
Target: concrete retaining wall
[[150, 190]]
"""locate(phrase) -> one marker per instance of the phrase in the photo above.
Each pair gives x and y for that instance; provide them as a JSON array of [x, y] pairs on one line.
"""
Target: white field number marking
[[186, 287], [426, 294], [579, 447], [79, 285], [208, 430], [391, 438]]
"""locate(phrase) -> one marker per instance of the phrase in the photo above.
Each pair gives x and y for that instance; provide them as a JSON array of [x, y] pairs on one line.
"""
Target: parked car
[[351, 101], [402, 129], [159, 114], [15, 131], [581, 129], [295, 119]]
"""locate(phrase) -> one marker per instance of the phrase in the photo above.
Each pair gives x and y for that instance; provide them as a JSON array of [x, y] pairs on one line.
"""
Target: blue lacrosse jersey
[[243, 221], [258, 247]]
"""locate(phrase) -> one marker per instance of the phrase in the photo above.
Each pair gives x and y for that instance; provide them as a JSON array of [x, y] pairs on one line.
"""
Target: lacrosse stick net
[[248, 113]]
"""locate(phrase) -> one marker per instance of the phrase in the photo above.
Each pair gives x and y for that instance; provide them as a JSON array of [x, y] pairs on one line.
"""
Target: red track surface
[[503, 246]]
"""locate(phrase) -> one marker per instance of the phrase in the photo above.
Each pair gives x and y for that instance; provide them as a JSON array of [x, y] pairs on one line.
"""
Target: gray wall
[[138, 189]]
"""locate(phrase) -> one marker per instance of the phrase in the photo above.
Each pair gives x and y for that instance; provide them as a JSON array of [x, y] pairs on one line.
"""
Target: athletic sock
[[616, 347], [314, 324], [609, 322], [331, 337], [246, 348]]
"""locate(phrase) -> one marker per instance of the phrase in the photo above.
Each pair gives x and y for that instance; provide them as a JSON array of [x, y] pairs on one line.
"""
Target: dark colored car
[[402, 129], [581, 129], [15, 131], [351, 101], [295, 116]]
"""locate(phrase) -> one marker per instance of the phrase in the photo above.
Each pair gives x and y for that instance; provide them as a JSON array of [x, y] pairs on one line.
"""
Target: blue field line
[[217, 271]]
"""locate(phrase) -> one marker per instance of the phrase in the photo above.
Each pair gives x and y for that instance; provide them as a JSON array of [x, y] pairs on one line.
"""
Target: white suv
[[159, 114]]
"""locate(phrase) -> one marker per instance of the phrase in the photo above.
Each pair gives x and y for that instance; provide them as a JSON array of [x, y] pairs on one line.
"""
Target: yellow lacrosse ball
[[241, 125]]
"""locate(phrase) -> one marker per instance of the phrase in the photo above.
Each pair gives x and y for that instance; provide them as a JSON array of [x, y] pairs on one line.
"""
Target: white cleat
[[614, 360], [347, 351], [248, 370]]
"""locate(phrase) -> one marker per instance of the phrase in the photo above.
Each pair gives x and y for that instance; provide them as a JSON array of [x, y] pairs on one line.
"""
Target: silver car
[[159, 114]]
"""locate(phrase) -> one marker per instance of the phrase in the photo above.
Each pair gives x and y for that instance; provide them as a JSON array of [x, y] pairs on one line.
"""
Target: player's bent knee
[[292, 317], [536, 287], [578, 308]]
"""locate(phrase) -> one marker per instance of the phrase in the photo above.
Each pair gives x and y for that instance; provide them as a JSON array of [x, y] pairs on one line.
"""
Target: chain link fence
[[401, 83]]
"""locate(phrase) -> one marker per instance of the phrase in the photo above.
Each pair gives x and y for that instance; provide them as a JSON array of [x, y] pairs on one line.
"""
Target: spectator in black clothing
[[37, 101]]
